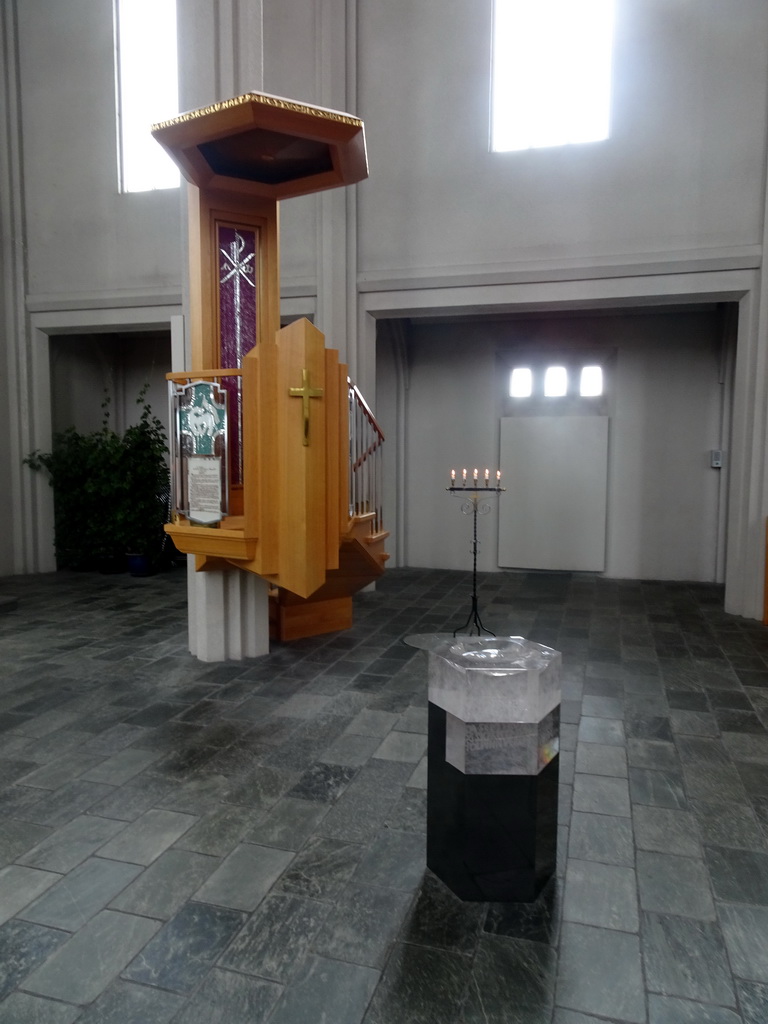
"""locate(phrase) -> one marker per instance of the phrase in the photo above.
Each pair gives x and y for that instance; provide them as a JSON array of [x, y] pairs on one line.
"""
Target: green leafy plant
[[110, 490]]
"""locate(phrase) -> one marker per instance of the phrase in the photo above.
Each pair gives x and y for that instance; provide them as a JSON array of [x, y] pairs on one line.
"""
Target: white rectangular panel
[[553, 513]]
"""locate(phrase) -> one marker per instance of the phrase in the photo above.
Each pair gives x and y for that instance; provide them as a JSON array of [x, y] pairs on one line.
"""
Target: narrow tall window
[[551, 72], [147, 91]]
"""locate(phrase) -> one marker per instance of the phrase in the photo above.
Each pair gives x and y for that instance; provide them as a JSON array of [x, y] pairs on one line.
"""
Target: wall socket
[[716, 458]]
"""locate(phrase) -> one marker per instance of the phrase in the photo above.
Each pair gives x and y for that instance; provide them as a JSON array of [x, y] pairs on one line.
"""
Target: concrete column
[[228, 615]]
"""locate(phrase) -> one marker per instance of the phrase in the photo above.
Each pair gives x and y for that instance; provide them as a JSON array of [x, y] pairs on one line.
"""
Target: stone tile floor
[[245, 842]]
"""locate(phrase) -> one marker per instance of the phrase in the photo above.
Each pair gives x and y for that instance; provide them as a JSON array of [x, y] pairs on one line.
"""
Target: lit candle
[[453, 477], [498, 477], [487, 475], [463, 478], [474, 475]]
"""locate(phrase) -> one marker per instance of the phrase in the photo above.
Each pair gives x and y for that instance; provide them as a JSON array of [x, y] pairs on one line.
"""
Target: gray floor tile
[[601, 759], [19, 886], [244, 877], [601, 730], [601, 837], [512, 980], [538, 921], [125, 1003], [600, 972], [163, 887], [604, 895], [148, 836], [23, 946], [738, 875], [363, 925], [71, 844], [438, 918], [289, 824], [63, 769], [652, 754], [394, 859], [92, 958], [220, 831], [419, 984], [714, 783], [666, 830], [122, 766], [651, 648], [666, 1010], [745, 930], [22, 1008], [59, 806], [361, 810], [229, 998], [674, 885], [600, 795], [275, 938], [728, 825], [343, 990], [753, 1001], [86, 890], [182, 952], [657, 788], [686, 958], [351, 749], [402, 746], [321, 868]]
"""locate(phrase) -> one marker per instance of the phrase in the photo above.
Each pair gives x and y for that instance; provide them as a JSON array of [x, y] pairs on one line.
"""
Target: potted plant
[[144, 475], [110, 491]]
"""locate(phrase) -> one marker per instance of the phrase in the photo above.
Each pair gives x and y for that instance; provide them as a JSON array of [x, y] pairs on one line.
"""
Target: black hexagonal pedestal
[[489, 837]]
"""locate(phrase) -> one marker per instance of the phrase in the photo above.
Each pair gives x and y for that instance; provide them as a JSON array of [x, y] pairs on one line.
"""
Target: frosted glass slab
[[499, 679], [502, 748], [433, 641]]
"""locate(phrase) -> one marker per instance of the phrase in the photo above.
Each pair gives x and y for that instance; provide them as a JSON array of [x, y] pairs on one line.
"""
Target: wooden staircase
[[307, 515], [361, 561]]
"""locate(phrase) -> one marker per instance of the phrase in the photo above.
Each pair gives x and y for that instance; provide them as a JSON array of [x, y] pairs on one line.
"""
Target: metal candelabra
[[474, 506]]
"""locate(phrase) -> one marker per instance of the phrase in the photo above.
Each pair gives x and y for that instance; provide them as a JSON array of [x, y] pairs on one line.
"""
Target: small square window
[[591, 384], [555, 382], [521, 383]]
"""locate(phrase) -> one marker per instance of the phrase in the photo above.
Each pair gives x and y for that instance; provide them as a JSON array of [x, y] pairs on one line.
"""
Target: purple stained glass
[[237, 293], [237, 323]]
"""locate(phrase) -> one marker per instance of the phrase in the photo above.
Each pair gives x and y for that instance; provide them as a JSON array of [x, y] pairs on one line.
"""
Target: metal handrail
[[365, 466]]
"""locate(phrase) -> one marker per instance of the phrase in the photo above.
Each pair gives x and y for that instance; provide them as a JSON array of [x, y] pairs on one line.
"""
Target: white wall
[[664, 403], [663, 494], [86, 367], [681, 173], [84, 238], [669, 207]]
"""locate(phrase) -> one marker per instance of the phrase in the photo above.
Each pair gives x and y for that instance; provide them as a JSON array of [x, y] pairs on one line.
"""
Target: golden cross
[[305, 392]]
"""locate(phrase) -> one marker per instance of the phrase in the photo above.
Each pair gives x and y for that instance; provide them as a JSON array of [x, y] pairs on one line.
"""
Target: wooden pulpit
[[263, 460]]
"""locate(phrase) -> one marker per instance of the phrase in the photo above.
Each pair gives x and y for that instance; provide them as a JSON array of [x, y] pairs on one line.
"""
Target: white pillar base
[[228, 615]]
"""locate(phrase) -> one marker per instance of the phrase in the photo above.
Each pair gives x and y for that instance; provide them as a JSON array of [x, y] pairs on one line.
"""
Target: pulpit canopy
[[266, 146]]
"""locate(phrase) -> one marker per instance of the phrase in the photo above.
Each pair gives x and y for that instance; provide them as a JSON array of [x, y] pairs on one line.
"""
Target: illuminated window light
[[555, 382], [551, 82], [147, 91], [591, 383], [521, 383]]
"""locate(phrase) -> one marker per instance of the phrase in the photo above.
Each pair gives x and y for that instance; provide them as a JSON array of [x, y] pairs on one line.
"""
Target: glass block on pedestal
[[505, 679]]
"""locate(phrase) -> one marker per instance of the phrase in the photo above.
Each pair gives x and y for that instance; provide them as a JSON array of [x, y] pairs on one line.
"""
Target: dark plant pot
[[112, 564], [140, 565]]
